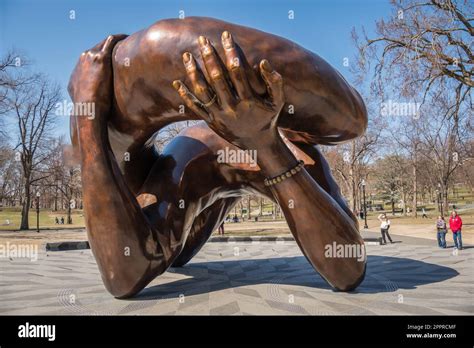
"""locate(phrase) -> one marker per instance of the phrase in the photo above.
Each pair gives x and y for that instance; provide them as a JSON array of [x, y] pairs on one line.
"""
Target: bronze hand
[[225, 99]]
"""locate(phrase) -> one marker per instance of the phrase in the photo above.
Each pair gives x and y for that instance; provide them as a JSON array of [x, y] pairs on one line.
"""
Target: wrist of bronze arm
[[283, 176], [275, 158]]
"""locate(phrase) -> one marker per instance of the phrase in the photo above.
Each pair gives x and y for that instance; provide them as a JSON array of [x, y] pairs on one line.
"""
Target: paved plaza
[[267, 278]]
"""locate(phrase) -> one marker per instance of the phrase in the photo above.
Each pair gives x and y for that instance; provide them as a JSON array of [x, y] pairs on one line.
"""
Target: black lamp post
[[365, 205], [37, 211]]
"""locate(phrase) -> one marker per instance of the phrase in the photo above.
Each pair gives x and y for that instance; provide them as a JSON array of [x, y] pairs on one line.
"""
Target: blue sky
[[44, 31]]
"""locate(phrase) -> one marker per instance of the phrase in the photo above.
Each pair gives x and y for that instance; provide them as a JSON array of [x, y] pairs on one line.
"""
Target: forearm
[[314, 218], [121, 239]]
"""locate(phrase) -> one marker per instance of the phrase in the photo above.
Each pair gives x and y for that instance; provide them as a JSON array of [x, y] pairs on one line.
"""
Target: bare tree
[[408, 142], [64, 178], [32, 106], [168, 133], [349, 161], [10, 174], [439, 149], [12, 76], [425, 45], [388, 175], [467, 166], [423, 53]]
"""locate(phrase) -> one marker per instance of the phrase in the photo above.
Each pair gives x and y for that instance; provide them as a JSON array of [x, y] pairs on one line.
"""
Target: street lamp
[[365, 205], [37, 211]]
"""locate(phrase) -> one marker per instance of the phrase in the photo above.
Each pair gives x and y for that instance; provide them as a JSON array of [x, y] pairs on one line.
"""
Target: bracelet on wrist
[[288, 174]]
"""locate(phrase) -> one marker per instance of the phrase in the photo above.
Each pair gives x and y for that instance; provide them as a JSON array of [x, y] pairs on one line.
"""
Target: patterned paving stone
[[245, 278]]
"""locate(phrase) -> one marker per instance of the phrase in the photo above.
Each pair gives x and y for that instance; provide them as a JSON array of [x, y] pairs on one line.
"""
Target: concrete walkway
[[405, 278]]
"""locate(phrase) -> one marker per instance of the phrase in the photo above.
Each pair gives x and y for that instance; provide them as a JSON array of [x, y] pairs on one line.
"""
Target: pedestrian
[[441, 234], [424, 216], [62, 220], [384, 226], [56, 220], [455, 224], [221, 228]]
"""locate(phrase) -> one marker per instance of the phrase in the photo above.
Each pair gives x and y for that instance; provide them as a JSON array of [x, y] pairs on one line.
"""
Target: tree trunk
[[445, 199], [353, 179], [248, 208], [69, 218], [415, 193], [404, 205], [24, 225], [56, 199]]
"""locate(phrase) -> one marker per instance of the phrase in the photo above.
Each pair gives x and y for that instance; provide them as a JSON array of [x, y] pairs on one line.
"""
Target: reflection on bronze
[[255, 91]]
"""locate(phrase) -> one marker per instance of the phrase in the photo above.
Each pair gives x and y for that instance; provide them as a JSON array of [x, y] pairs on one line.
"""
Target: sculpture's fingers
[[198, 82], [190, 100], [235, 67], [215, 72], [274, 83], [256, 81]]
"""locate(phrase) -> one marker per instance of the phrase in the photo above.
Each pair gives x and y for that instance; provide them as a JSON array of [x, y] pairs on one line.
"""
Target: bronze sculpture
[[255, 91]]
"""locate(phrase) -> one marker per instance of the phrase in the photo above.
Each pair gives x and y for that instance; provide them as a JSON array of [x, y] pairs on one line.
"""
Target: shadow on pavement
[[384, 274]]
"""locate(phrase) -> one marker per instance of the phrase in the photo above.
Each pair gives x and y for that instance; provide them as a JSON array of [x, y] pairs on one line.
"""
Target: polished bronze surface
[[253, 91]]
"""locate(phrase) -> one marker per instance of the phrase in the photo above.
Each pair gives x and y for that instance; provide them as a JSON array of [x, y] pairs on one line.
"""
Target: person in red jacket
[[455, 224]]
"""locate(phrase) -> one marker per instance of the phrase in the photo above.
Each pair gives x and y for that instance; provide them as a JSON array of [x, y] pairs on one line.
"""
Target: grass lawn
[[46, 218], [467, 218], [260, 232]]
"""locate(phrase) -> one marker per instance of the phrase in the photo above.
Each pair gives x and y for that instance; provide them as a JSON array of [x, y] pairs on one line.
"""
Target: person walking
[[221, 228], [441, 234], [424, 216], [455, 224], [384, 226]]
